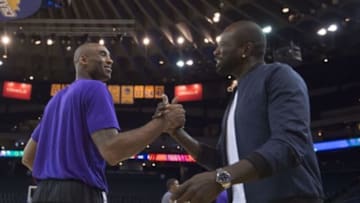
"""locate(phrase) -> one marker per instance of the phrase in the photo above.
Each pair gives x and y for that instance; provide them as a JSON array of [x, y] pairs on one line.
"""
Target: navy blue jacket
[[272, 121]]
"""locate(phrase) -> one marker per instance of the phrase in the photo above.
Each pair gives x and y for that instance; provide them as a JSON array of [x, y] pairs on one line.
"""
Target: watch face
[[223, 177]]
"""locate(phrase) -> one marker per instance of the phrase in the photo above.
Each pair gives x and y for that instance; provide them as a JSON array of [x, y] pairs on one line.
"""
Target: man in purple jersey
[[79, 133]]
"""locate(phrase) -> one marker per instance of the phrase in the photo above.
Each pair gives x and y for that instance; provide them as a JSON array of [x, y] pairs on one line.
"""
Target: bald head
[[93, 61], [248, 31], [84, 49]]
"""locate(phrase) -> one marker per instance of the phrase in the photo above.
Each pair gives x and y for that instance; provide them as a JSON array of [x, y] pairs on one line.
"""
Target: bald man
[[265, 151], [79, 133]]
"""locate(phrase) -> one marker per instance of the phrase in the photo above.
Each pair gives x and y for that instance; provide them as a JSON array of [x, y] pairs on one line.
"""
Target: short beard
[[226, 69]]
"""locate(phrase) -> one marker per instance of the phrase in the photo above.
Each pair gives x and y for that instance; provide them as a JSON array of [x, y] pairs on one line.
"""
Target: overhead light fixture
[[267, 29], [5, 39], [161, 62], [218, 38], [49, 42], [68, 48], [180, 40], [322, 32], [5, 56], [146, 41], [31, 77], [1, 62], [216, 17], [180, 63], [101, 41], [189, 62], [285, 10], [37, 42], [216, 20], [206, 40], [36, 39], [326, 60], [332, 28], [347, 19]]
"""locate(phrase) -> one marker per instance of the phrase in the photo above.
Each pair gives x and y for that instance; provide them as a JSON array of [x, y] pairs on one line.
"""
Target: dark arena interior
[[158, 45]]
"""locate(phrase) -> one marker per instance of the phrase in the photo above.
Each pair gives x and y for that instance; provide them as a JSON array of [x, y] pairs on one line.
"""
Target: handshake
[[172, 114]]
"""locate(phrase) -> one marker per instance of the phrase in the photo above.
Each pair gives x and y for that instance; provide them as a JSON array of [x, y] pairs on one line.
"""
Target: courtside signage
[[191, 92], [17, 90]]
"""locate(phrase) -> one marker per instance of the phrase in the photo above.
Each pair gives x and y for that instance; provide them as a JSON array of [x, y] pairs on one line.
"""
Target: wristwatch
[[223, 178]]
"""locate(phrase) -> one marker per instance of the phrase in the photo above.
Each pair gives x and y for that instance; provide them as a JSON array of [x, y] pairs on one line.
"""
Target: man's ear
[[83, 59]]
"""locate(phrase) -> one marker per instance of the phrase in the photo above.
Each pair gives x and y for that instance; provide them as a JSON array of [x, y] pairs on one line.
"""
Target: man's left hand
[[201, 188]]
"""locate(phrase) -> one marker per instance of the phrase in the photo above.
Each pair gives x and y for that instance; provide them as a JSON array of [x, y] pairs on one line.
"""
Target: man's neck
[[82, 76], [246, 67]]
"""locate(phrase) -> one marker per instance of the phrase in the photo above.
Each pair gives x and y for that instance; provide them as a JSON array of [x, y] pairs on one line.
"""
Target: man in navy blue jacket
[[265, 151]]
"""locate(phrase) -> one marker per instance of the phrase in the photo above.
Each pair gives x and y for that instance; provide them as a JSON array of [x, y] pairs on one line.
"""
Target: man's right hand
[[173, 114], [161, 107]]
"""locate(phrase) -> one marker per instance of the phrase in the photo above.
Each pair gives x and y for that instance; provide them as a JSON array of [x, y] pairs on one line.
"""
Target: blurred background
[[165, 46]]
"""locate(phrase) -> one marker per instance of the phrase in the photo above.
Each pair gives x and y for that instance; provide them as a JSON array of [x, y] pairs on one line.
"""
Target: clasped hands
[[172, 113], [202, 187]]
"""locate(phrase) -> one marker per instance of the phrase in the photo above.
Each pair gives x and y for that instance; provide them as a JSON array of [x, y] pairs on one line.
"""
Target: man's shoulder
[[277, 66], [167, 194], [281, 70], [88, 86], [88, 83], [166, 197], [285, 75]]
